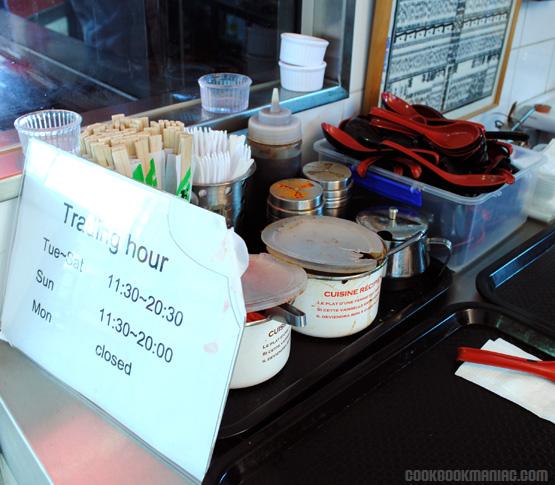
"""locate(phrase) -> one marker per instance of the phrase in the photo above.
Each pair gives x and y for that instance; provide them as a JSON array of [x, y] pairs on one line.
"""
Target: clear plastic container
[[541, 205], [269, 282], [224, 92], [472, 224], [58, 127]]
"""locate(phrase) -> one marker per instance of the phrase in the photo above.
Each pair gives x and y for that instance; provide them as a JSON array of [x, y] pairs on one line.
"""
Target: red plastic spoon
[[497, 359], [387, 125], [415, 169], [401, 107], [463, 180], [454, 136], [420, 113], [341, 139]]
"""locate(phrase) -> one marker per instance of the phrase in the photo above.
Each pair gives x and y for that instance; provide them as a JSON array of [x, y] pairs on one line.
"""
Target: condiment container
[[395, 226], [540, 204], [295, 197], [59, 127], [268, 284], [275, 138], [302, 78], [224, 92], [344, 262], [336, 181], [302, 50]]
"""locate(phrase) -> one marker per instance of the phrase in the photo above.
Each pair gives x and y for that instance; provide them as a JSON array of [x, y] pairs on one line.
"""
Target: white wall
[[531, 68], [334, 113]]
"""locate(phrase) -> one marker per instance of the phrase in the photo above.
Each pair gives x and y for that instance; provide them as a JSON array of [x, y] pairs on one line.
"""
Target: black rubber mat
[[407, 412], [524, 280]]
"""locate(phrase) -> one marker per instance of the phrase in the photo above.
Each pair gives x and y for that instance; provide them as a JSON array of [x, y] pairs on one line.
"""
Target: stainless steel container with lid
[[336, 181], [268, 286], [344, 263], [395, 225], [293, 197]]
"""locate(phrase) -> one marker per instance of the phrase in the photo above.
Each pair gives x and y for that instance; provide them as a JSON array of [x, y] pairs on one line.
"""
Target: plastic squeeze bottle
[[275, 138]]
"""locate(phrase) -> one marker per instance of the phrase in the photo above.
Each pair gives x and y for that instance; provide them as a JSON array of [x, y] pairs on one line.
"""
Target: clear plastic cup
[[224, 92], [59, 127]]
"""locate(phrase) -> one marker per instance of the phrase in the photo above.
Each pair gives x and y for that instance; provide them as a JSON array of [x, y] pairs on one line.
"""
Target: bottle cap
[[274, 125]]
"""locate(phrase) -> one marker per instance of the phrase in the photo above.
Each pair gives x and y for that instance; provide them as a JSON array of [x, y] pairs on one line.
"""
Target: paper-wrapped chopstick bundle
[[153, 152], [165, 154]]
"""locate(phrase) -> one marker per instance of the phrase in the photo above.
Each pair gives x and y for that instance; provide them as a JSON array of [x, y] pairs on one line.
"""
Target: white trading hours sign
[[129, 295]]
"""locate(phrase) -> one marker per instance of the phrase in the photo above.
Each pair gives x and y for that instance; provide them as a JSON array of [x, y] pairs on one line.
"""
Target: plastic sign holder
[[128, 295]]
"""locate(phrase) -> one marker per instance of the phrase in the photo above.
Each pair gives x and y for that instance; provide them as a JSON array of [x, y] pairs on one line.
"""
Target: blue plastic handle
[[389, 188]]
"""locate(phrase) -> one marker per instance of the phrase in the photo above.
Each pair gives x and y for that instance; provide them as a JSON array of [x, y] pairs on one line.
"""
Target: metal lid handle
[[439, 241], [289, 314], [411, 240]]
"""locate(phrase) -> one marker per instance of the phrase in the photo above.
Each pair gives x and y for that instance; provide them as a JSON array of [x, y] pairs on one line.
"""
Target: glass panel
[[87, 54]]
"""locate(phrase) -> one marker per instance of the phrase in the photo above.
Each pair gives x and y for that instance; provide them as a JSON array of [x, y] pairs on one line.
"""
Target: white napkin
[[531, 392]]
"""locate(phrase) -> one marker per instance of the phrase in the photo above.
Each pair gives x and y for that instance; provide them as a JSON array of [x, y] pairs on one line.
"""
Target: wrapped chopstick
[[124, 143]]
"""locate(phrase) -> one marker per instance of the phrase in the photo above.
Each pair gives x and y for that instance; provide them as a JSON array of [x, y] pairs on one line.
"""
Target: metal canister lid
[[326, 244], [401, 223], [330, 175], [296, 194]]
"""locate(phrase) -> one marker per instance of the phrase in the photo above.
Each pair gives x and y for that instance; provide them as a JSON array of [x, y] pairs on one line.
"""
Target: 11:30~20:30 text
[[152, 304]]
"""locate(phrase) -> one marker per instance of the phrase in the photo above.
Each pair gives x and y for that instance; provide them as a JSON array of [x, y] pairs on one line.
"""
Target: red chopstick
[[544, 369]]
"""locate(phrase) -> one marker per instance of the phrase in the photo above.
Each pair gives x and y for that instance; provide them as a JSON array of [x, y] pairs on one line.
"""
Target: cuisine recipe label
[[130, 296]]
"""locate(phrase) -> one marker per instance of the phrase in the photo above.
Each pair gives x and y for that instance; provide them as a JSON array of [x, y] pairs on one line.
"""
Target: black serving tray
[[402, 409], [523, 281], [313, 360]]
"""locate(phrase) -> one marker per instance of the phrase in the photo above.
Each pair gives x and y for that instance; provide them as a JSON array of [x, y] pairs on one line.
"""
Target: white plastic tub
[[473, 224], [541, 204]]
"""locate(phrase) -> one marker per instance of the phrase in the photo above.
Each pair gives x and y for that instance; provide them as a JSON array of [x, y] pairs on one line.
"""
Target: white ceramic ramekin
[[300, 78], [302, 50]]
